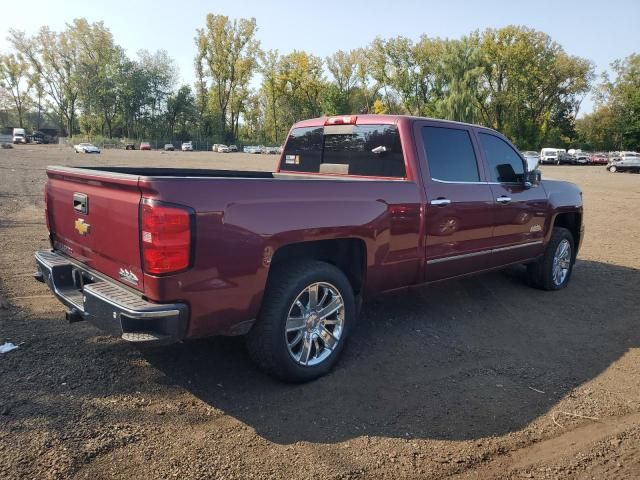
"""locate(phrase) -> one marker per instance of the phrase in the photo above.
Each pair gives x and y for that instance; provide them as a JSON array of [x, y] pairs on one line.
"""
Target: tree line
[[514, 79]]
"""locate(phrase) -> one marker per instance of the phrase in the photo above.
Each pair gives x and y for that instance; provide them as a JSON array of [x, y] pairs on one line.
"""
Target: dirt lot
[[477, 378]]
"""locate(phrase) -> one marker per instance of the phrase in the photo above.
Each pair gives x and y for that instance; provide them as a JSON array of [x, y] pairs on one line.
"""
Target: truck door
[[459, 211], [521, 210]]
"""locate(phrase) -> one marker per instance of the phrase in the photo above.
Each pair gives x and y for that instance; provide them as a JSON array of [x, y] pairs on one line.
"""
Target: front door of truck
[[521, 210], [459, 210]]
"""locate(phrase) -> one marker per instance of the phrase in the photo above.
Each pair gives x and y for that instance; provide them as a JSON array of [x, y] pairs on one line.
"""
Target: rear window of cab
[[362, 150]]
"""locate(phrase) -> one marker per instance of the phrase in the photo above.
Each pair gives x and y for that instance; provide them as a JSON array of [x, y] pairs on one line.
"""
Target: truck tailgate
[[94, 218]]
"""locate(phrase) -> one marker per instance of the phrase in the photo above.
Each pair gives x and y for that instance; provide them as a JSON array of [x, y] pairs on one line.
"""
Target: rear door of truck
[[94, 218], [460, 209]]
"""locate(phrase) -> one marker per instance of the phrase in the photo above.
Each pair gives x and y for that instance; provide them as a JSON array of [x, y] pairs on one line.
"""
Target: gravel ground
[[474, 378]]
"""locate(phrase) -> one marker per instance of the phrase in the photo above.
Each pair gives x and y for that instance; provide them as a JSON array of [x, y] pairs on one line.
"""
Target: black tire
[[540, 273], [267, 341]]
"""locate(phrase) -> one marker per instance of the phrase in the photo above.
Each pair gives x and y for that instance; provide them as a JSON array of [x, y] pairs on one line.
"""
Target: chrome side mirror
[[532, 163], [533, 176]]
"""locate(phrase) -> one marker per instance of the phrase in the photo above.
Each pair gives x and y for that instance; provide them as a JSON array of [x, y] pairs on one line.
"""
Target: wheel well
[[348, 254], [572, 222]]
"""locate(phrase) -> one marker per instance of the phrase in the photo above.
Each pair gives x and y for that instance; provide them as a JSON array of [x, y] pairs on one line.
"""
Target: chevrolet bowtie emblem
[[81, 227]]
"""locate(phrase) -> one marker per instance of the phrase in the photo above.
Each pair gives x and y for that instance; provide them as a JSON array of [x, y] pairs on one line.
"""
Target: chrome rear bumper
[[109, 306]]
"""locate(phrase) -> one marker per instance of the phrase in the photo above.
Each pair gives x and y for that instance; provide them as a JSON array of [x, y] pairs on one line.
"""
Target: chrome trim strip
[[476, 183], [514, 247], [464, 183], [483, 252], [458, 257]]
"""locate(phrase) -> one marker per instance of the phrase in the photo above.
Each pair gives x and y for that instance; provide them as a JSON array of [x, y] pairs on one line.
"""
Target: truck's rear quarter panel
[[241, 223]]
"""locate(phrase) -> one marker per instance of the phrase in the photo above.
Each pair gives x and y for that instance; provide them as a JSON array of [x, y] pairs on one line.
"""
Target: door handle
[[440, 202], [503, 199]]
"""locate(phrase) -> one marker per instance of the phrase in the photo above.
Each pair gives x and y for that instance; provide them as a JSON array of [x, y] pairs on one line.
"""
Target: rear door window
[[363, 150], [450, 154]]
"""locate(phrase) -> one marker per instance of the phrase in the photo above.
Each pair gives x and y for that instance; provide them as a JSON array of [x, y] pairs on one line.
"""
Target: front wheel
[[613, 169], [307, 313], [553, 270]]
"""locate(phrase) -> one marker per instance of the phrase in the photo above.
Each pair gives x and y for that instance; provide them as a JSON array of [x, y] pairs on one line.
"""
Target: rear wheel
[[613, 169], [553, 270], [307, 313]]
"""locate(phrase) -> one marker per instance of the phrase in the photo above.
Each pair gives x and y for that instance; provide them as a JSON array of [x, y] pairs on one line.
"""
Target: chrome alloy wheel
[[561, 262], [315, 324]]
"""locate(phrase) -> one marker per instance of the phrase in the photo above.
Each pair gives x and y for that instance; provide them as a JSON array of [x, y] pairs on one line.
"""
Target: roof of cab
[[369, 118]]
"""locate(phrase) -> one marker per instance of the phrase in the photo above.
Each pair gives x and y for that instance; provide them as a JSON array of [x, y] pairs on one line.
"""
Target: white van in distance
[[19, 135]]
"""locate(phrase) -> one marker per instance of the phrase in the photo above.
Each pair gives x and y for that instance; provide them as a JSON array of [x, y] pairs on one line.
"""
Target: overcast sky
[[599, 30]]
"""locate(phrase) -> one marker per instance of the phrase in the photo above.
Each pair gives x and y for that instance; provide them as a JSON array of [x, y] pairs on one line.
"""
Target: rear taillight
[[165, 238]]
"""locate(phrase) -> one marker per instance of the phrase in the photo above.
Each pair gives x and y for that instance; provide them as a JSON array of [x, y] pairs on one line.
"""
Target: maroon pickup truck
[[359, 205]]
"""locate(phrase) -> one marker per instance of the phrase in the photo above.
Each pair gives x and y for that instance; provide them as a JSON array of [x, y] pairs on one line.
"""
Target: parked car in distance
[[599, 158], [251, 149], [233, 148], [582, 158], [19, 135], [40, 137], [187, 146], [169, 147], [129, 146], [86, 148], [270, 150], [145, 146], [549, 156], [286, 258], [565, 158], [627, 162]]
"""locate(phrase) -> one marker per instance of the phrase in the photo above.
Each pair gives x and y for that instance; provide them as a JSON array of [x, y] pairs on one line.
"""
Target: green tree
[[598, 131], [99, 64], [54, 57], [36, 84], [343, 67], [228, 50], [181, 112], [14, 77], [272, 91], [622, 96], [367, 87], [459, 71], [525, 74], [303, 86]]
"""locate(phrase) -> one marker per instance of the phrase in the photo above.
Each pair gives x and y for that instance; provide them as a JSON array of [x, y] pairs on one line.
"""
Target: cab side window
[[450, 154], [505, 165]]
